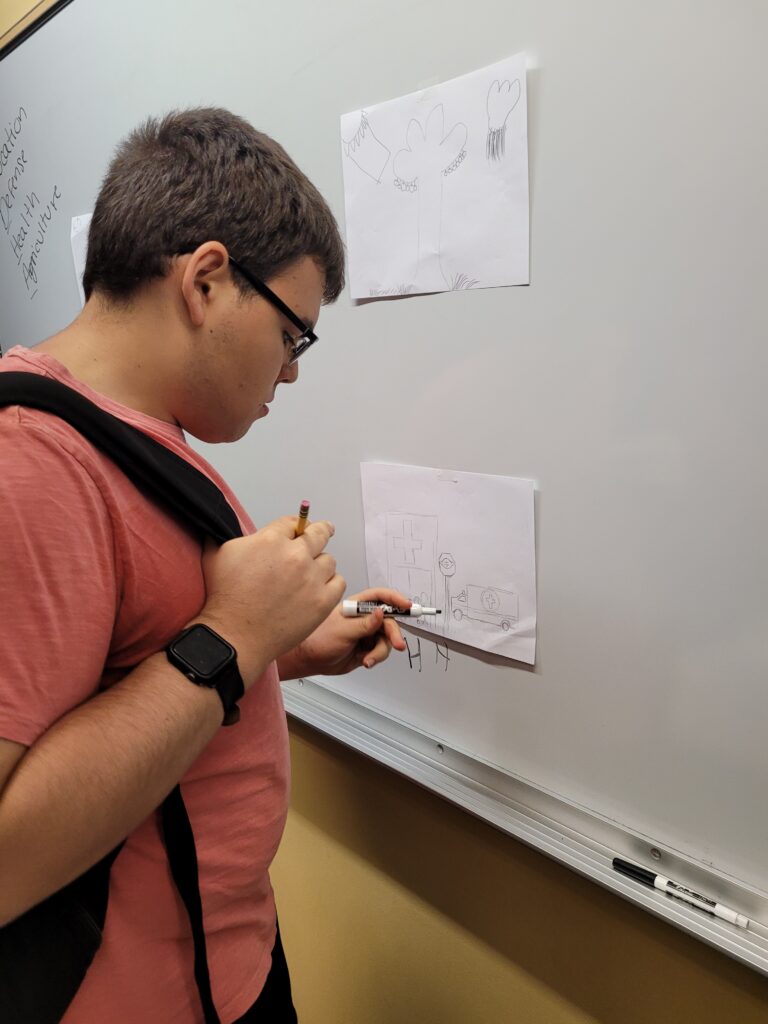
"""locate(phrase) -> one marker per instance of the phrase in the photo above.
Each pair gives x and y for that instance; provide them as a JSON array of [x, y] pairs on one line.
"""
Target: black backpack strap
[[167, 476], [182, 859], [174, 482]]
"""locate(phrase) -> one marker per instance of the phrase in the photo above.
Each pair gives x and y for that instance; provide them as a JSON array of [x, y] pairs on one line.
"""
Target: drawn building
[[412, 555]]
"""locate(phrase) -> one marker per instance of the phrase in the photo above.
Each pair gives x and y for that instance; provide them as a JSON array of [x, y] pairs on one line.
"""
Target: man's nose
[[290, 373]]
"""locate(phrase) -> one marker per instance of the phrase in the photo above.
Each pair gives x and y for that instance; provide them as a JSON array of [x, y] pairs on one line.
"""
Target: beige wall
[[15, 15], [397, 908]]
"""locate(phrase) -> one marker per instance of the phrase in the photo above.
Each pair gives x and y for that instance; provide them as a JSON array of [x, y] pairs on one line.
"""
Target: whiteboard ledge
[[571, 835]]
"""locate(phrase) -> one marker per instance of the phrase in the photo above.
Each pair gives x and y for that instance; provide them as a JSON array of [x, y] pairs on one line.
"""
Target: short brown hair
[[206, 175]]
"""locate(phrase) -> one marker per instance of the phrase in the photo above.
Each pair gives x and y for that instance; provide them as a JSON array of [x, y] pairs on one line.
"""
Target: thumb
[[369, 624]]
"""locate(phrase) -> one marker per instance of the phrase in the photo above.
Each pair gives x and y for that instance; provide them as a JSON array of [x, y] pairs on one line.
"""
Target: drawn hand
[[428, 149], [341, 644]]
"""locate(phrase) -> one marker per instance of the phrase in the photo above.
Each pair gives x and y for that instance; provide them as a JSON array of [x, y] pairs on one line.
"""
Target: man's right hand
[[267, 592]]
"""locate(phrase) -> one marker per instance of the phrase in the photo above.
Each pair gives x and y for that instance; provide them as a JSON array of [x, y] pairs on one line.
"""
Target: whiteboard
[[627, 381]]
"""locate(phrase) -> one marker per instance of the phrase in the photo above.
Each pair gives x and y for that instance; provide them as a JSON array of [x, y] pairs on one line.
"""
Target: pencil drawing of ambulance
[[486, 604]]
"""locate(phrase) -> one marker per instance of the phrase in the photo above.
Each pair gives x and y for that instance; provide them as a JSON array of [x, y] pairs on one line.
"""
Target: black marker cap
[[634, 871]]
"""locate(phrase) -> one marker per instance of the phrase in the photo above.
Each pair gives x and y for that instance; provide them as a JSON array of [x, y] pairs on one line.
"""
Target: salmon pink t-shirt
[[97, 577]]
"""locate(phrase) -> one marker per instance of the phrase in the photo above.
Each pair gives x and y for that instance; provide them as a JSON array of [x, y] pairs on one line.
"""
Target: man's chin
[[240, 431], [261, 412]]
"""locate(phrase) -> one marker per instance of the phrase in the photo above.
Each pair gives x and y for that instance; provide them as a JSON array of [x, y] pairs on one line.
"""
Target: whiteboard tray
[[570, 834]]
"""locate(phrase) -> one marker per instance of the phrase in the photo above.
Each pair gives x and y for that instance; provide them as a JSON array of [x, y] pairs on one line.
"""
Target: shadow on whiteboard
[[428, 640]]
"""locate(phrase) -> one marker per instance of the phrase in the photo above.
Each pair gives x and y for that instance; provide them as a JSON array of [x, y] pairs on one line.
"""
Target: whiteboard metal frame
[[31, 26], [564, 831]]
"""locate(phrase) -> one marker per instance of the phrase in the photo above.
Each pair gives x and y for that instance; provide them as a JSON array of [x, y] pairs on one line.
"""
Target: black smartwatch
[[208, 660]]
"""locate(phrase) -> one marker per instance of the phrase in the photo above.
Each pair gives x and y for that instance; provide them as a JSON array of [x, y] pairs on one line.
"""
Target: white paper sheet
[[461, 542], [436, 186], [78, 237]]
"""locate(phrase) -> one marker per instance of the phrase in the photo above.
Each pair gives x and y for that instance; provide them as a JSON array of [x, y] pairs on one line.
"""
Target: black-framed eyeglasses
[[307, 337]]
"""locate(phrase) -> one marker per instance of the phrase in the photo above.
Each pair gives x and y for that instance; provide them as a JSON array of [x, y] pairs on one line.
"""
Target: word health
[[25, 218]]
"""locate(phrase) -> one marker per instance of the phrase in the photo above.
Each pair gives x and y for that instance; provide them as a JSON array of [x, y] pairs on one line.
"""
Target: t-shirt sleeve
[[58, 578]]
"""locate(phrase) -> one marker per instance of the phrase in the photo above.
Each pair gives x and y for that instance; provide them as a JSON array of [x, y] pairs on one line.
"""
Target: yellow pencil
[[302, 518]]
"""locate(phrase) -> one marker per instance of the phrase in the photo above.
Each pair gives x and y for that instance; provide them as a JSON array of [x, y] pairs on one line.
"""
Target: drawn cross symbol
[[408, 544]]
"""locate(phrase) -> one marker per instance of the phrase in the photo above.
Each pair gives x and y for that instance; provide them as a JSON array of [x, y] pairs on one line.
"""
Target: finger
[[364, 625], [385, 594], [394, 634], [326, 565], [374, 644], [336, 588], [331, 595], [286, 526], [317, 535], [378, 653]]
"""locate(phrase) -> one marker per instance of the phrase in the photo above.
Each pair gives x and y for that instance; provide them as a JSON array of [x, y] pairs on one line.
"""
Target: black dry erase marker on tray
[[680, 892]]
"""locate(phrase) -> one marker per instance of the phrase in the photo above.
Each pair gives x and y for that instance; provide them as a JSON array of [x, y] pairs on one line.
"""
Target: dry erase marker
[[680, 892], [352, 608], [301, 519]]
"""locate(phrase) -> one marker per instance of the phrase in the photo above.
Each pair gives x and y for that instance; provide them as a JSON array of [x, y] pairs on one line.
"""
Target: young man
[[209, 257]]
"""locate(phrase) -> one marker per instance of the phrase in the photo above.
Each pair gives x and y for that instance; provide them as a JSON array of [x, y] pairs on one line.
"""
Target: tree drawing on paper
[[431, 154], [502, 99]]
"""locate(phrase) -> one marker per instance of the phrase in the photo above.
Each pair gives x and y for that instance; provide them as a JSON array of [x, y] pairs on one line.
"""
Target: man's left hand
[[342, 644]]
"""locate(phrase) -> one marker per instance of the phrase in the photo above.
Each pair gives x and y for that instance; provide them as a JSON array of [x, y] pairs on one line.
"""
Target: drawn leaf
[[503, 97]]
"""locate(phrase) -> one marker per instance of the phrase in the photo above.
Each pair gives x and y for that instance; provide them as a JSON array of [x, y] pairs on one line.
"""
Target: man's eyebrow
[[308, 324]]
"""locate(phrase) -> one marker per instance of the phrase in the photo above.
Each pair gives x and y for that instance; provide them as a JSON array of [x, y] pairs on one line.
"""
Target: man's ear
[[202, 274]]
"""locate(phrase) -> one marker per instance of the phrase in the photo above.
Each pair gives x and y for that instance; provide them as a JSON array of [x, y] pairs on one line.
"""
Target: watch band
[[230, 688]]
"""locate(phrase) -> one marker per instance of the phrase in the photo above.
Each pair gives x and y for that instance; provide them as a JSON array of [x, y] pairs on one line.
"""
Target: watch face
[[203, 651]]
